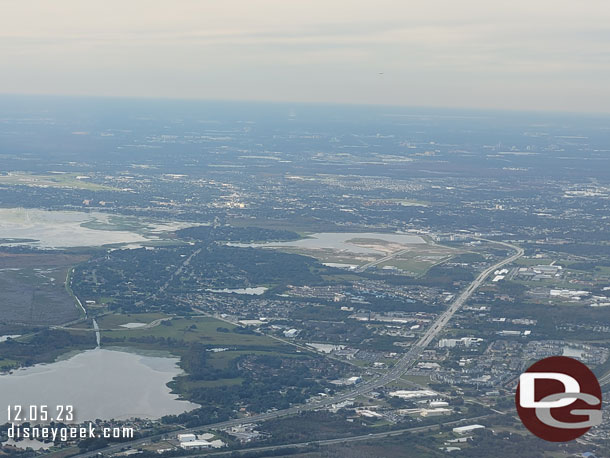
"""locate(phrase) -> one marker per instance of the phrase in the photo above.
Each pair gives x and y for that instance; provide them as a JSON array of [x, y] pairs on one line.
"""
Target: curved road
[[603, 381], [399, 369]]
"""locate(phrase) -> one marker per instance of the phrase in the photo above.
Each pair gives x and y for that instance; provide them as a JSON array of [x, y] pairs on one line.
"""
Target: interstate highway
[[399, 369]]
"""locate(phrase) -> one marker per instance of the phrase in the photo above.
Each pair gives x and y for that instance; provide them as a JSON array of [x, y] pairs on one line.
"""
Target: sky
[[550, 55]]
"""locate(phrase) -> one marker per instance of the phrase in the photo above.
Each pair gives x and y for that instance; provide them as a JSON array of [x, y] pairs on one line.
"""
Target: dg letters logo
[[559, 399]]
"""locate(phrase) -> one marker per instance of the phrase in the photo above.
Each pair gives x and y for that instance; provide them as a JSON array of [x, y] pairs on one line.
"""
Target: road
[[363, 267], [344, 440], [139, 442], [605, 379], [390, 256], [398, 370], [176, 273], [68, 286], [179, 270], [96, 328], [409, 358]]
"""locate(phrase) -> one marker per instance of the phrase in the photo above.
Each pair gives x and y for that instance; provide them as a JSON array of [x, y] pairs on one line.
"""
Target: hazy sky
[[522, 54]]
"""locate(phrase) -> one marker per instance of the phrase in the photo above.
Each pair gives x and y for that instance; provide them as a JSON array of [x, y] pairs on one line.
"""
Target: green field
[[417, 265], [420, 258], [183, 332], [197, 329], [7, 364], [113, 320], [32, 290], [418, 379], [415, 262], [533, 261], [178, 334]]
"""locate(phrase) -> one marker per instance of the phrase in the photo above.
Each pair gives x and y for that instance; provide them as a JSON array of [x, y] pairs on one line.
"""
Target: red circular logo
[[559, 399]]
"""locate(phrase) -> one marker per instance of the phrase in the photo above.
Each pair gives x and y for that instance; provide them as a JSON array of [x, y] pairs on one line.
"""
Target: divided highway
[[411, 356], [401, 367], [344, 440]]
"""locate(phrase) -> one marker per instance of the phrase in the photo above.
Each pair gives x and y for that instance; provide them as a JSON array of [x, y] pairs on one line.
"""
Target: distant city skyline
[[543, 55]]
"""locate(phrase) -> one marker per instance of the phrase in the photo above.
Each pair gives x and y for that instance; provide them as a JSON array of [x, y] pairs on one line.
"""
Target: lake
[[256, 291], [64, 229], [99, 383]]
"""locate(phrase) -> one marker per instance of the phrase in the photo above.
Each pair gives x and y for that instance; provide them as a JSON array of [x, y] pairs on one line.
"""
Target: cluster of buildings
[[500, 275], [350, 381], [588, 354], [414, 320], [191, 441], [463, 341], [569, 294], [414, 394], [244, 433], [540, 272], [426, 403]]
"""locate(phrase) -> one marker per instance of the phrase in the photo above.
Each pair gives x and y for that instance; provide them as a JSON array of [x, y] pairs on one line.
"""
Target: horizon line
[[311, 103]]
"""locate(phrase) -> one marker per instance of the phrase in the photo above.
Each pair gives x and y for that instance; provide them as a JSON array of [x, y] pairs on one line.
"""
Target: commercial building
[[467, 429]]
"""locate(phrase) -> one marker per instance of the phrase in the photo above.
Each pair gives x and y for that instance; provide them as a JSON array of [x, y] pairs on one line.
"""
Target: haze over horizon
[[550, 56]]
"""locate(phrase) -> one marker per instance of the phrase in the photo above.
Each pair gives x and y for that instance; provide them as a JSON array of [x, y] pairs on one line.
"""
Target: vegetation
[[44, 346], [235, 234], [129, 277]]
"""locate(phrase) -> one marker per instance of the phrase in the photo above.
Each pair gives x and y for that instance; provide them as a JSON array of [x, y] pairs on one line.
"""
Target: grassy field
[[533, 261], [197, 329], [415, 262], [329, 256], [391, 447], [420, 258], [419, 379], [113, 320], [6, 364], [186, 330], [32, 290], [416, 265]]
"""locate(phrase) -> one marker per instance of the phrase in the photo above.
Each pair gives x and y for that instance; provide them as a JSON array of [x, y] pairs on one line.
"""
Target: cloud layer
[[548, 55]]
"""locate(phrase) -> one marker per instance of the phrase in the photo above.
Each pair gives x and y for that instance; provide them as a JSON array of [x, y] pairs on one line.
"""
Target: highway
[[412, 355], [139, 442], [363, 267], [401, 367], [604, 380], [344, 440]]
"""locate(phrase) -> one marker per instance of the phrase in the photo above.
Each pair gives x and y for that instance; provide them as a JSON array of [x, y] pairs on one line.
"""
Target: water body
[[133, 325], [343, 241], [59, 229], [340, 265], [63, 229], [251, 291], [99, 383], [6, 337]]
